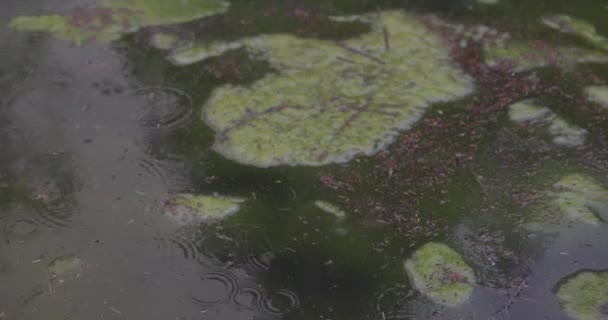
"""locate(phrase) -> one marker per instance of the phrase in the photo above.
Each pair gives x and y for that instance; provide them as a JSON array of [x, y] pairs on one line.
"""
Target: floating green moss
[[598, 94], [527, 56], [564, 133], [110, 19], [191, 209], [577, 27], [191, 54], [581, 198], [330, 208], [584, 295], [488, 1], [164, 40], [526, 111], [441, 274], [329, 101], [64, 265]]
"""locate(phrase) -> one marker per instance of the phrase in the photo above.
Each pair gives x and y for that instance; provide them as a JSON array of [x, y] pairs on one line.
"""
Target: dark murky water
[[92, 138]]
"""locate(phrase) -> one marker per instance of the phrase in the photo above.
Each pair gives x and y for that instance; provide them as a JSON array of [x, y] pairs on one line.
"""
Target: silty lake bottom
[[303, 159]]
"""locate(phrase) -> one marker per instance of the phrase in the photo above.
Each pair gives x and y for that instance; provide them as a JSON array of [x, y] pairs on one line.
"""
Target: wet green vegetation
[[335, 160]]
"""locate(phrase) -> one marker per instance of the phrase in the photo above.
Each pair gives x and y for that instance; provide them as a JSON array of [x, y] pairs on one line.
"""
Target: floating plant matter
[[441, 274], [110, 19], [65, 265], [192, 209], [581, 198], [577, 27], [164, 40], [598, 94], [330, 208], [328, 101], [535, 54], [564, 133], [526, 111], [584, 295]]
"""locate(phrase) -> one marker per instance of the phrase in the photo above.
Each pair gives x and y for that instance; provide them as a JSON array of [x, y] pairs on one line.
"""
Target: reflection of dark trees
[[41, 181], [325, 285]]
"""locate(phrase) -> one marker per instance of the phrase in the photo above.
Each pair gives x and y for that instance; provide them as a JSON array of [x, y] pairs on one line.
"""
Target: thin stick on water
[[387, 45]]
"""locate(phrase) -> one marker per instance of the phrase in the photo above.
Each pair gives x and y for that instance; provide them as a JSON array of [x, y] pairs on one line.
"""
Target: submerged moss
[[330, 208], [192, 209], [598, 94], [328, 101], [110, 19], [584, 295], [581, 198], [441, 274], [65, 265], [577, 27]]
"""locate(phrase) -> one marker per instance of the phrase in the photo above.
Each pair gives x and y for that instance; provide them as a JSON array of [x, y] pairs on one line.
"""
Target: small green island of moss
[[526, 111], [108, 20], [598, 94], [189, 209], [576, 27], [330, 208], [329, 101], [584, 295], [563, 133], [441, 274], [65, 265], [581, 198]]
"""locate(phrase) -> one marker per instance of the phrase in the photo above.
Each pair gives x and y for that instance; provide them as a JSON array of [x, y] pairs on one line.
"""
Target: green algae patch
[[327, 101], [581, 198], [191, 209], [597, 94], [526, 111], [110, 19], [584, 295], [564, 133], [197, 52], [525, 56], [164, 40], [65, 265], [330, 208], [577, 27], [441, 274]]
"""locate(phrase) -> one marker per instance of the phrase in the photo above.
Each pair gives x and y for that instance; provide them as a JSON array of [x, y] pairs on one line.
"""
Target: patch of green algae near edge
[[581, 198], [597, 94], [528, 57], [330, 101], [330, 208], [584, 295], [563, 133], [190, 208], [64, 265], [441, 274], [577, 27], [525, 111], [110, 19]]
